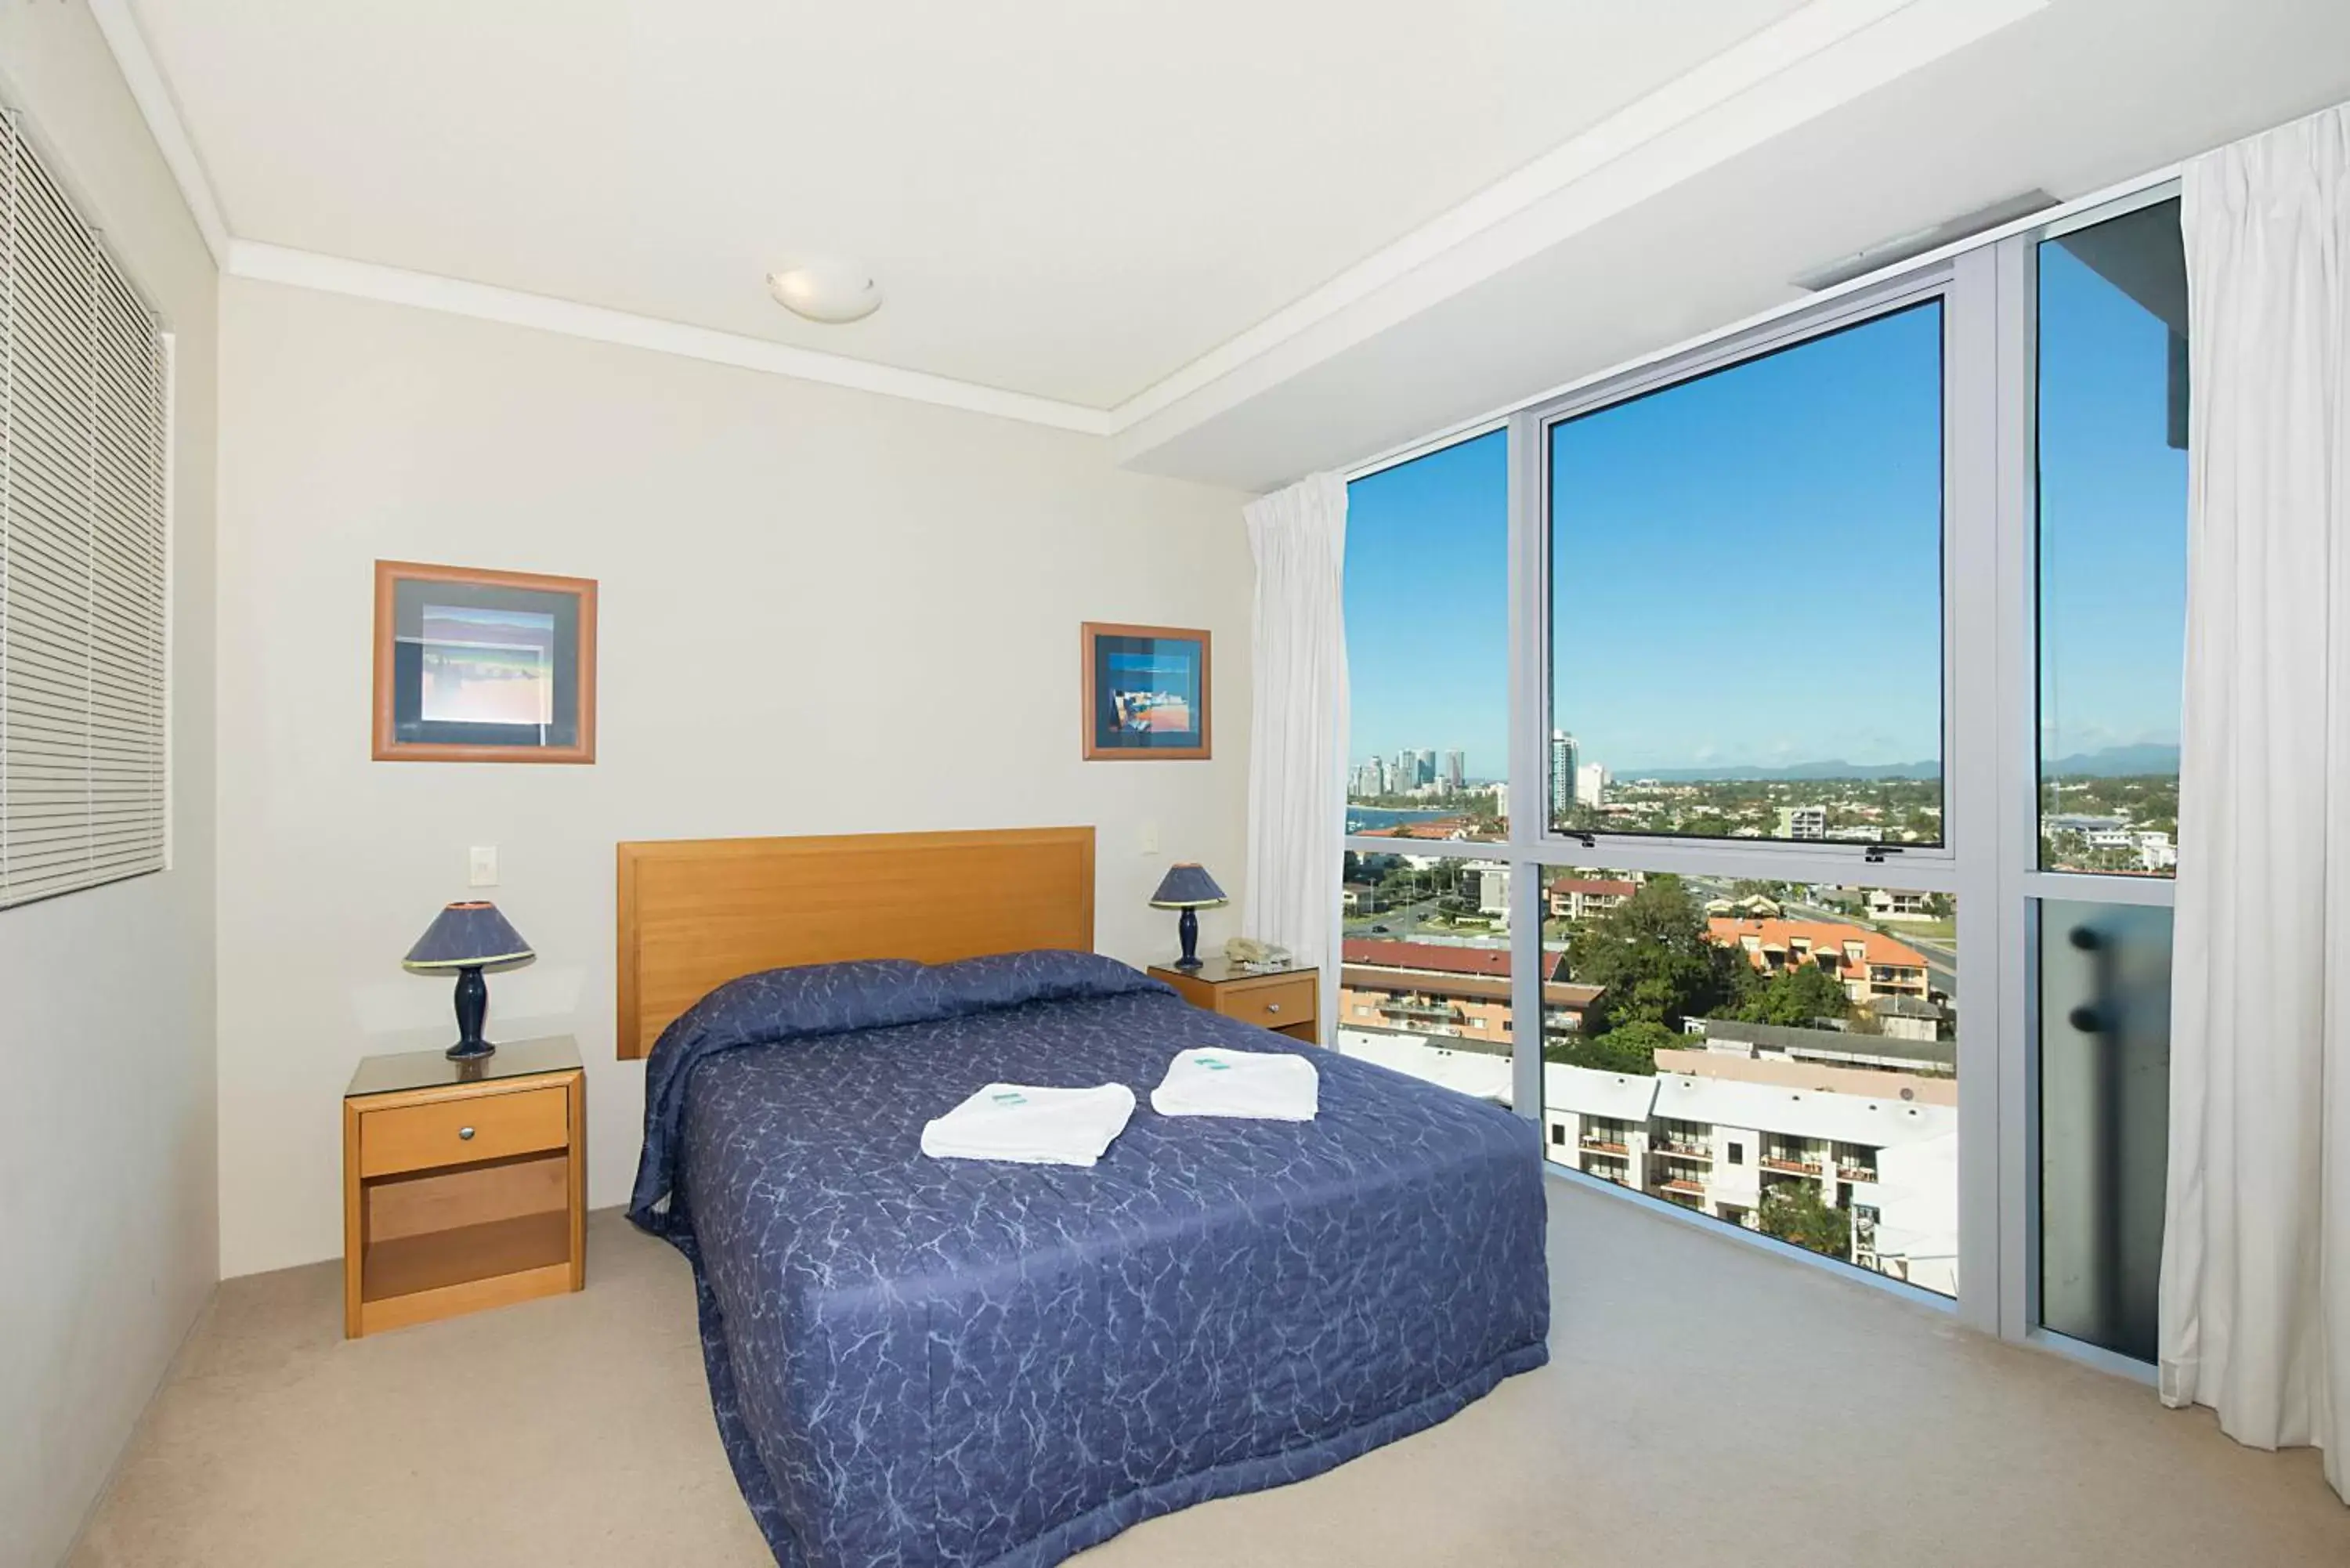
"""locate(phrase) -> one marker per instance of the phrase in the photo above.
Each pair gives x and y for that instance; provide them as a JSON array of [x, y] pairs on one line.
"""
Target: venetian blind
[[83, 408]]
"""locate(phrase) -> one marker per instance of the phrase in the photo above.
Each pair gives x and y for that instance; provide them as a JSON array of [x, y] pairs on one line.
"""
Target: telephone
[[1247, 952]]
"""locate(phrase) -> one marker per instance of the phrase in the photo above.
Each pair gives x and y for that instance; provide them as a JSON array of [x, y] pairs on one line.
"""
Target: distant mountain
[[2117, 762], [1795, 773], [2112, 762]]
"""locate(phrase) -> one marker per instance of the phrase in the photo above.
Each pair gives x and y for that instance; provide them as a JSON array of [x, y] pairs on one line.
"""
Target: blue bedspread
[[919, 1361]]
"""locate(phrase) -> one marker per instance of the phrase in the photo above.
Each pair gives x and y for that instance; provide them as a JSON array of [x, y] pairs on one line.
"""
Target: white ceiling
[[2069, 101], [1248, 240], [1068, 198]]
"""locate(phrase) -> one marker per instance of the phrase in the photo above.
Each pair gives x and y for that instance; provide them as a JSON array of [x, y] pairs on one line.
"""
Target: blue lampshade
[[1186, 885], [464, 935]]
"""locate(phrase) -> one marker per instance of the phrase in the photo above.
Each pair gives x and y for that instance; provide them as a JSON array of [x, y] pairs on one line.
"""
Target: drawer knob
[[466, 1133], [1273, 1007]]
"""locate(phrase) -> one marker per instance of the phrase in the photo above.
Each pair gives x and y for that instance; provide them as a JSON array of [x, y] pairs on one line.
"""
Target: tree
[[1794, 1211], [1795, 996], [1652, 955], [1630, 1049]]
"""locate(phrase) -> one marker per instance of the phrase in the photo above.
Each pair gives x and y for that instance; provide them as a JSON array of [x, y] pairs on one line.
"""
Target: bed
[[917, 1361]]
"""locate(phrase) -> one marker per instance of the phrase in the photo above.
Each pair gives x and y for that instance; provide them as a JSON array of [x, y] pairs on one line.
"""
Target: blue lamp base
[[473, 1007], [1187, 928]]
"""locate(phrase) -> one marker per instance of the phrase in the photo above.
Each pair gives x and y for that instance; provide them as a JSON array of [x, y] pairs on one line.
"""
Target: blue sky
[[1747, 567], [2113, 537]]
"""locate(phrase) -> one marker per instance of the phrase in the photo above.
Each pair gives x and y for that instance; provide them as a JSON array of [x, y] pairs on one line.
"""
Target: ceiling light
[[832, 289]]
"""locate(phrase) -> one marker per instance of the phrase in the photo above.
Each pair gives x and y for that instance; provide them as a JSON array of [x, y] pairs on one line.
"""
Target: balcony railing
[[1846, 1171], [1429, 1012], [1681, 1146], [1605, 1146], [1786, 1167]]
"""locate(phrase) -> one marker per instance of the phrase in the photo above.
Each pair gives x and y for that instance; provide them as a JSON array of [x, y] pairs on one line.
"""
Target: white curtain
[[1298, 724], [2255, 1299]]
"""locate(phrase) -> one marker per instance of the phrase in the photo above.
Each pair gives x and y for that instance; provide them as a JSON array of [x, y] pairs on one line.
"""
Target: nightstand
[[1282, 1000], [464, 1183]]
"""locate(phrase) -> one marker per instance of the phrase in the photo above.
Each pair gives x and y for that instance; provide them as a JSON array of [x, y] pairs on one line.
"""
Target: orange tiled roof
[[1829, 936], [1437, 957]]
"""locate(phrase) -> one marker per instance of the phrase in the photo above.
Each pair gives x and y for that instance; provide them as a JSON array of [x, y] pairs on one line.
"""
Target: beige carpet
[[1706, 1403]]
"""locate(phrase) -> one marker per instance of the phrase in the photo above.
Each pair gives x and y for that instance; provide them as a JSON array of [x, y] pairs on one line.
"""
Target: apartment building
[[1447, 992], [1716, 1144], [1868, 964], [1580, 897], [1878, 1145]]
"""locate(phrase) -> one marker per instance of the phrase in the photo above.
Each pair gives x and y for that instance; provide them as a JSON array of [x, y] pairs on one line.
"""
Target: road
[[1415, 921]]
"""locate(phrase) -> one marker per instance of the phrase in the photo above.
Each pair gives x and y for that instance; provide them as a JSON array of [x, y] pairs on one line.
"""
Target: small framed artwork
[[482, 667], [1146, 693]]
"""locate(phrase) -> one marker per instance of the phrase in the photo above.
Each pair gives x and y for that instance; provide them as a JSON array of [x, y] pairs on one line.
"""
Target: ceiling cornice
[[485, 301], [1817, 58], [120, 30]]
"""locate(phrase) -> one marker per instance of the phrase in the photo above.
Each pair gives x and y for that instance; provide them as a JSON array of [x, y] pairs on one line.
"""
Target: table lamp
[[465, 937], [1186, 886]]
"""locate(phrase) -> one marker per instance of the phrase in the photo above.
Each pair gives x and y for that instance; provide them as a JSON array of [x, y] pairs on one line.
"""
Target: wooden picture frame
[[546, 663], [1111, 732]]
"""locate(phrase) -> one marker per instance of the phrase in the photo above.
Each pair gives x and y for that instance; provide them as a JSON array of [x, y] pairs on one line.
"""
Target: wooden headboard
[[695, 913]]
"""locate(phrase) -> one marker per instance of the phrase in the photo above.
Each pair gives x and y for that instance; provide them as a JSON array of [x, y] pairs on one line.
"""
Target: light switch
[[1149, 836], [482, 868]]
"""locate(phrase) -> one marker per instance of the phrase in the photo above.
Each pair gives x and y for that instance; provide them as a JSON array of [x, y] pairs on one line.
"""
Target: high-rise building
[[1561, 773], [1590, 785], [1455, 770], [1809, 822]]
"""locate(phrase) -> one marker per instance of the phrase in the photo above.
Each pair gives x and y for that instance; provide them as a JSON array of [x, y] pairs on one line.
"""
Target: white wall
[[107, 1236], [822, 611]]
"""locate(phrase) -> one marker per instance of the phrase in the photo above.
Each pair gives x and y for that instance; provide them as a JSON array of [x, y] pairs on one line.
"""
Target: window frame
[[2024, 884], [1988, 861], [1532, 442]]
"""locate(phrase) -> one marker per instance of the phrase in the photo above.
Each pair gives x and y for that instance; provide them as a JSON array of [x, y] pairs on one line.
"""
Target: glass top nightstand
[[433, 1070]]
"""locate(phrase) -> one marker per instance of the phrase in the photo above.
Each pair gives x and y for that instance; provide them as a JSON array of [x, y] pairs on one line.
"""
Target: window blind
[[84, 394]]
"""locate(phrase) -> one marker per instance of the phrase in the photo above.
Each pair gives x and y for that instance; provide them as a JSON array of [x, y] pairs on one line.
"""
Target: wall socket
[[482, 866]]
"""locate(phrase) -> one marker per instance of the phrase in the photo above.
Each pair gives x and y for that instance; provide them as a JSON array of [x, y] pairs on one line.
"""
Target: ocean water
[[1363, 818]]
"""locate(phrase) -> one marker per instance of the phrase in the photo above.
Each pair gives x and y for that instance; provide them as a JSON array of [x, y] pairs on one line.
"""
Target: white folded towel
[[1032, 1125], [1269, 1085]]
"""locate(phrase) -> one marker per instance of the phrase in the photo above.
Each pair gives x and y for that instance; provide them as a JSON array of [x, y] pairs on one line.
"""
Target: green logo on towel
[[1010, 1098], [1213, 1065]]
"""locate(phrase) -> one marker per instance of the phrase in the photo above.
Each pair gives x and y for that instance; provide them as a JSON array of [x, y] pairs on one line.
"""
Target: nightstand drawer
[[1275, 1006], [478, 1126]]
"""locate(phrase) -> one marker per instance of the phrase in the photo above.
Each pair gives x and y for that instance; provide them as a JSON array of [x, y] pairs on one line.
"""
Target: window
[[1783, 634], [1707, 680], [1697, 1009], [2110, 561], [2112, 402], [1427, 634], [1425, 976], [83, 366]]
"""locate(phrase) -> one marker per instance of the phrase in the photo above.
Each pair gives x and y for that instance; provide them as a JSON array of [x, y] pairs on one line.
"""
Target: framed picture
[[1146, 693], [482, 667]]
